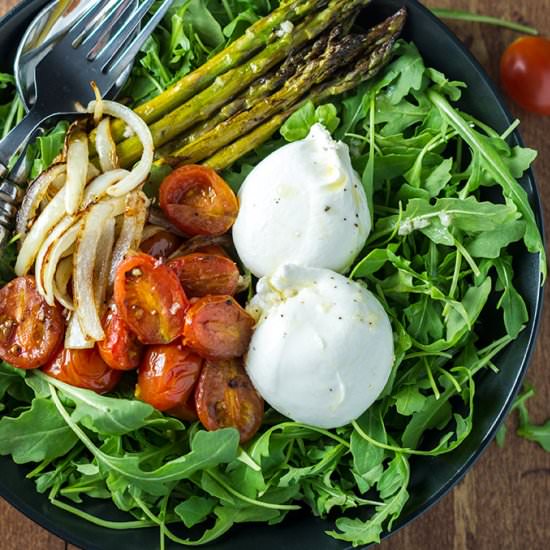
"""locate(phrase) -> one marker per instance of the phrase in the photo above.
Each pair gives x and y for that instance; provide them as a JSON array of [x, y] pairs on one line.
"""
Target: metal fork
[[90, 51]]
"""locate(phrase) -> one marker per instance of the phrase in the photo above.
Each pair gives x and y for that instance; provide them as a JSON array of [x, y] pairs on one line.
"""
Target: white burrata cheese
[[322, 350], [304, 204]]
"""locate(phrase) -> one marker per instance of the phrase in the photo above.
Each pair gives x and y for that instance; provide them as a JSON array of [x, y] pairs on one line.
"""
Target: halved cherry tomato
[[226, 398], [204, 274], [198, 201], [150, 299], [120, 349], [31, 331], [525, 73], [83, 368], [167, 378], [161, 245], [217, 327]]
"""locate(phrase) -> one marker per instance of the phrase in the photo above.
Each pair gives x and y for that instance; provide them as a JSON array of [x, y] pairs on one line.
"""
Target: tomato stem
[[459, 15]]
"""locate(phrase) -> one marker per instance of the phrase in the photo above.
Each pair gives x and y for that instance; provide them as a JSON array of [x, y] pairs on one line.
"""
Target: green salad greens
[[439, 258]]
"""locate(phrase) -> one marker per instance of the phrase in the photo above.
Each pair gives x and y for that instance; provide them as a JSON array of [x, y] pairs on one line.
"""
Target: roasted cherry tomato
[[204, 274], [197, 201], [161, 245], [83, 368], [217, 327], [150, 299], [167, 379], [31, 331], [186, 410], [525, 73], [225, 398], [120, 349]]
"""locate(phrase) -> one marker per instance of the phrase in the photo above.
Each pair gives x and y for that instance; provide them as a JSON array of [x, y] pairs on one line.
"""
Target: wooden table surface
[[504, 501]]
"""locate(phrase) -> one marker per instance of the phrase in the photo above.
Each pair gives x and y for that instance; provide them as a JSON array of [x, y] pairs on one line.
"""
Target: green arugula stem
[[433, 383], [116, 525], [249, 500], [459, 15], [466, 255]]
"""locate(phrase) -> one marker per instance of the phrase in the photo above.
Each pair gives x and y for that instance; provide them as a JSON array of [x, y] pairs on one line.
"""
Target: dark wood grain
[[504, 501]]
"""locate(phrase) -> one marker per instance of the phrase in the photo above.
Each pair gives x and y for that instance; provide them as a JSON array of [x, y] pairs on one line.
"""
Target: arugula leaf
[[46, 148], [195, 510], [36, 434], [368, 459], [511, 302], [298, 125], [409, 400], [489, 244], [8, 376], [105, 415], [393, 487]]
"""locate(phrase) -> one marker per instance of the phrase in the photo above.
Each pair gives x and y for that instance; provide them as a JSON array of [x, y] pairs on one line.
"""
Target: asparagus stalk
[[231, 154], [261, 89], [363, 70], [228, 85], [338, 53], [256, 37]]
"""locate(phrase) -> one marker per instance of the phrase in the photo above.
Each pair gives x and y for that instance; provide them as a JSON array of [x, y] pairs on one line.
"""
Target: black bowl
[[431, 477]]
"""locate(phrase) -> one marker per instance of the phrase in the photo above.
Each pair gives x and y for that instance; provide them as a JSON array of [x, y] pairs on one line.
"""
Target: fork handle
[[10, 191], [16, 141]]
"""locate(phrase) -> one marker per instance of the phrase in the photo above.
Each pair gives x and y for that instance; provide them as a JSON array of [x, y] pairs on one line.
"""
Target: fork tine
[[115, 65], [106, 51], [96, 10], [96, 38]]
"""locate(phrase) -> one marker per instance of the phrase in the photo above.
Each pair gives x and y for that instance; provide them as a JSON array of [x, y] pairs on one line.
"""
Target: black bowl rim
[[42, 519]]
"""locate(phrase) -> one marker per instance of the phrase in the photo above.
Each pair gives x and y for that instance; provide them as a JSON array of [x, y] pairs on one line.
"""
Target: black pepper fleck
[[327, 208]]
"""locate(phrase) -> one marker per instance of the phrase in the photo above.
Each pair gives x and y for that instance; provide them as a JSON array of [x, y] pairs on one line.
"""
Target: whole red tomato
[[525, 73]]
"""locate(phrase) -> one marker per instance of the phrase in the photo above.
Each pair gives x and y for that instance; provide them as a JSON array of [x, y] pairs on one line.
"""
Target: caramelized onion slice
[[84, 261], [48, 219], [106, 146], [141, 170], [63, 275], [131, 232], [36, 193], [77, 170]]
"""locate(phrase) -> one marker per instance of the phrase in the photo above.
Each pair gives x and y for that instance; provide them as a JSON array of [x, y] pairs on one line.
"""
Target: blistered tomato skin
[[120, 349], [198, 201], [525, 73], [31, 331], [206, 274], [167, 379], [226, 398], [150, 299], [161, 245], [217, 327], [83, 368]]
